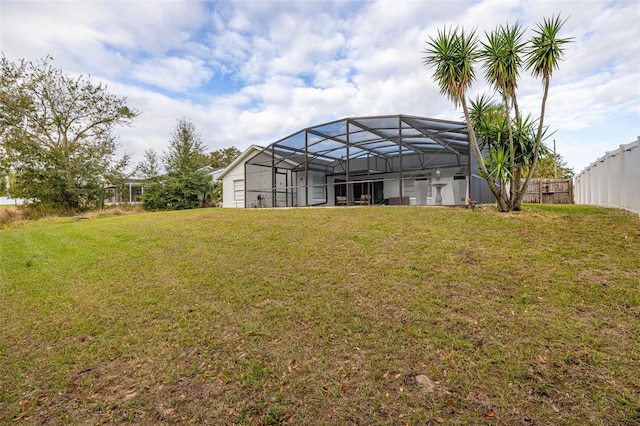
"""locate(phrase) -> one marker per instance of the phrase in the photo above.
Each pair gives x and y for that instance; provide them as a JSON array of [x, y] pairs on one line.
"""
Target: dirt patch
[[127, 391]]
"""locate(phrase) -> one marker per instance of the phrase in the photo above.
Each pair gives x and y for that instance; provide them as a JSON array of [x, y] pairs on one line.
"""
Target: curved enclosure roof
[[383, 137], [385, 158]]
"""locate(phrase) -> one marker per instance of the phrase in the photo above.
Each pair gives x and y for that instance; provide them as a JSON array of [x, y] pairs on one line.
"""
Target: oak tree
[[57, 134]]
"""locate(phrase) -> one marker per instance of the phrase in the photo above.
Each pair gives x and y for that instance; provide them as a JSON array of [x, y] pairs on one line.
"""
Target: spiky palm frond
[[524, 134], [501, 56], [546, 49], [498, 165], [489, 122], [452, 53]]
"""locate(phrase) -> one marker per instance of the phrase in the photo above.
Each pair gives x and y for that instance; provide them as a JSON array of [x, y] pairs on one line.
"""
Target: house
[[213, 172], [391, 159], [133, 189], [233, 179], [130, 192]]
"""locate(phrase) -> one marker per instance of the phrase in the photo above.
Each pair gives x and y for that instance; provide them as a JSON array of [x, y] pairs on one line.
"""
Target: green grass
[[323, 316]]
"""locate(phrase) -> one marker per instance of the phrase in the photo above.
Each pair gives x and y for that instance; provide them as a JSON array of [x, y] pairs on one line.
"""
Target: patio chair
[[363, 201]]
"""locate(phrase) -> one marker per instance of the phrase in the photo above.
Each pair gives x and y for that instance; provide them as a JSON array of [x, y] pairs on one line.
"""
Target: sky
[[252, 72]]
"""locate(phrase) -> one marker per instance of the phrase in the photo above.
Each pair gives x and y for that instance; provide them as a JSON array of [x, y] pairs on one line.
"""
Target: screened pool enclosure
[[395, 159]]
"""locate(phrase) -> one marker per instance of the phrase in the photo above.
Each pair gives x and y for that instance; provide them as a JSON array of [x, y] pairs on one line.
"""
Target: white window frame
[[238, 190], [319, 188]]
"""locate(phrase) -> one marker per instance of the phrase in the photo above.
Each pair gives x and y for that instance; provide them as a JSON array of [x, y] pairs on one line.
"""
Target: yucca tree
[[509, 143], [513, 144], [543, 57], [452, 54], [501, 56]]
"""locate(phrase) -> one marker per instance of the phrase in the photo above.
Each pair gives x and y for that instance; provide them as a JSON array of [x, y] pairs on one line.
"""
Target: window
[[319, 188], [238, 190]]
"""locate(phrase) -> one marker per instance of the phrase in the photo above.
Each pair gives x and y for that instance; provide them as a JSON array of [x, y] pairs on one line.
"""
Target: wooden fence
[[549, 191]]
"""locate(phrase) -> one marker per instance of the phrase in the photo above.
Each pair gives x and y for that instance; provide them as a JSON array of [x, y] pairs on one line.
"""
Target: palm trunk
[[518, 200], [502, 205], [519, 188], [512, 153]]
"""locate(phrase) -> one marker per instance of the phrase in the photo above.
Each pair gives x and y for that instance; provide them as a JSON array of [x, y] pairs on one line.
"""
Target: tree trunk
[[512, 152], [518, 201], [502, 205]]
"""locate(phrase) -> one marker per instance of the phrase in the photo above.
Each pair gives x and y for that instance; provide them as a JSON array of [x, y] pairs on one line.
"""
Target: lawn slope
[[381, 315]]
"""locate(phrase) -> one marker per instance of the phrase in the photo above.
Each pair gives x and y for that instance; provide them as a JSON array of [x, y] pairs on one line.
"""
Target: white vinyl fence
[[612, 180]]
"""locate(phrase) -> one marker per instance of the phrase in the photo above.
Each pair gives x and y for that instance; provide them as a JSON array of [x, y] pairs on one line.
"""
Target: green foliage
[[184, 186], [57, 135], [501, 56], [4, 185], [498, 141], [150, 168], [223, 157], [546, 49], [512, 144], [452, 53], [553, 166]]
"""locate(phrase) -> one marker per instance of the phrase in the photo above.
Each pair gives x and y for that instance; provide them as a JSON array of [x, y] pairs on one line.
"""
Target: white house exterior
[[394, 159], [233, 178]]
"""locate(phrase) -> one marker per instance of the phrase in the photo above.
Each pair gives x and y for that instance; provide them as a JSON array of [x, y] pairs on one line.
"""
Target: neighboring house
[[214, 172], [8, 201], [130, 192], [134, 188], [392, 159]]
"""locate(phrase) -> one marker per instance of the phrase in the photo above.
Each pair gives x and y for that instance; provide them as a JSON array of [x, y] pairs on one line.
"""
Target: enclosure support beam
[[306, 169], [469, 174], [401, 179], [274, 194], [346, 170]]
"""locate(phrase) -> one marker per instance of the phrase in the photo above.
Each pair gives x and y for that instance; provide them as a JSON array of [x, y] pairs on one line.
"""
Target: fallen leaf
[[489, 414], [439, 420], [554, 408]]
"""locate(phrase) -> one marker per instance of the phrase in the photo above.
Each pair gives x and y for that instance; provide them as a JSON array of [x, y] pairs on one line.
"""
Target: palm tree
[[501, 57], [452, 53], [543, 57]]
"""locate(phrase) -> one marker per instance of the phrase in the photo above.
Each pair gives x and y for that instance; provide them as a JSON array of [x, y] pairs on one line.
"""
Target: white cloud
[[172, 73], [254, 71]]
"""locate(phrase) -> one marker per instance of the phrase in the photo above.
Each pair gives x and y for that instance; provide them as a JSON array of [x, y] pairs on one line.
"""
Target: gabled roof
[[252, 150], [214, 172]]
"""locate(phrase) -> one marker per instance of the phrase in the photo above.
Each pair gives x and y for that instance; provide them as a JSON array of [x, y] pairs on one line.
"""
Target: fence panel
[[549, 191], [612, 180]]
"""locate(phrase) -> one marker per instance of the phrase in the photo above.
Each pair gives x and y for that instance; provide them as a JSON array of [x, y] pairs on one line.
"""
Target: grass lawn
[[381, 315]]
